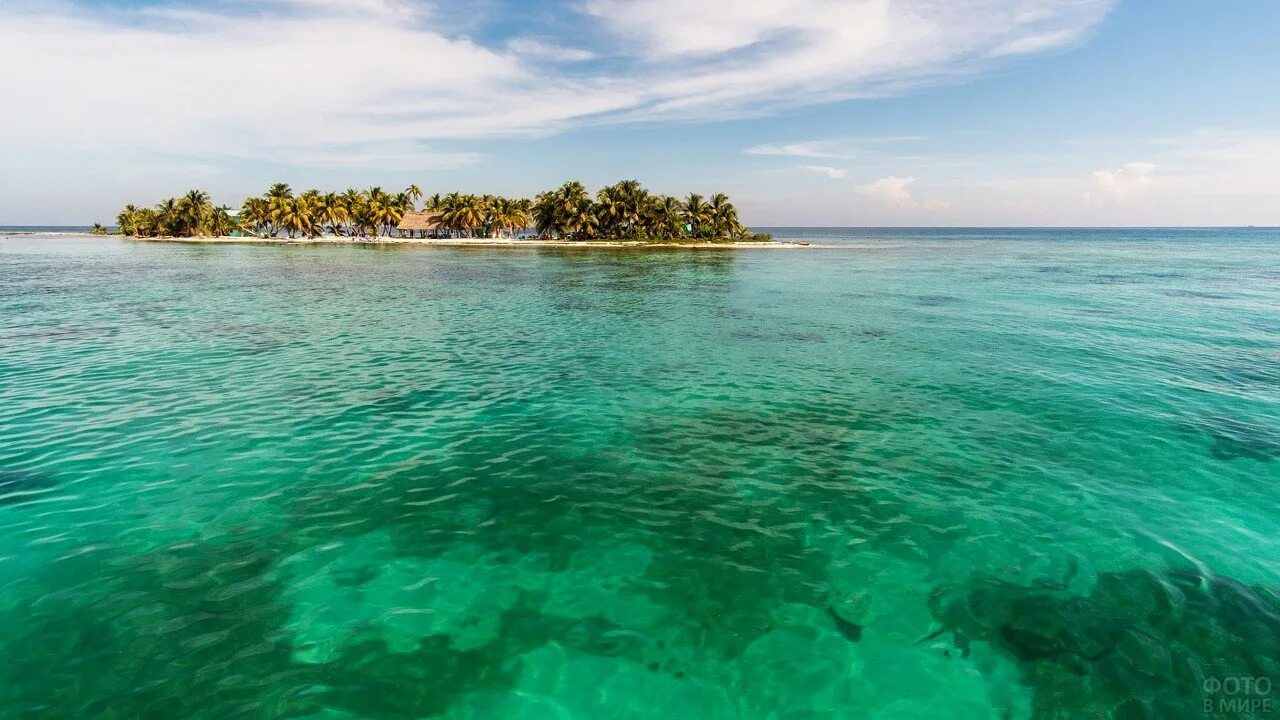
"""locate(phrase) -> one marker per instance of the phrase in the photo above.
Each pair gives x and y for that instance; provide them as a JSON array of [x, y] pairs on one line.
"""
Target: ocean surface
[[925, 474], [43, 229]]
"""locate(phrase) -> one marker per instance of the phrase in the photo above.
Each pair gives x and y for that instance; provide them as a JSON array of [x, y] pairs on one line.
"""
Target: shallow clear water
[[943, 474]]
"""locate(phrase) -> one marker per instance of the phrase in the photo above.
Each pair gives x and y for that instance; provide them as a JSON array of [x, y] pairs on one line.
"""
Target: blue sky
[[808, 112]]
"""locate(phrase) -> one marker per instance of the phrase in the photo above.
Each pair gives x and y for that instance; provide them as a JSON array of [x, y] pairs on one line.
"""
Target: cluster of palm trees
[[354, 213], [462, 215], [626, 211], [279, 211], [187, 216], [622, 211]]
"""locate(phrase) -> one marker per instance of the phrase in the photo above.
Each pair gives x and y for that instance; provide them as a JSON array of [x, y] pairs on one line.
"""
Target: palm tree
[[138, 222], [279, 201], [664, 218], [127, 221], [293, 215], [488, 211], [401, 203], [221, 222], [167, 221], [331, 210], [511, 216], [723, 218], [379, 202], [255, 216], [360, 212], [192, 213], [566, 212], [697, 215], [460, 213], [471, 215], [310, 203], [619, 208], [521, 215], [580, 221]]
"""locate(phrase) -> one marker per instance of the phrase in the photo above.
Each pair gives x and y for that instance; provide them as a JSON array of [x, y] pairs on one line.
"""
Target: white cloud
[[891, 190], [1133, 177], [831, 172], [321, 77], [296, 80], [718, 56]]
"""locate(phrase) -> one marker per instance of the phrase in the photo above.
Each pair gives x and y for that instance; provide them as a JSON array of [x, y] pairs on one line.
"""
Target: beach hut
[[427, 223]]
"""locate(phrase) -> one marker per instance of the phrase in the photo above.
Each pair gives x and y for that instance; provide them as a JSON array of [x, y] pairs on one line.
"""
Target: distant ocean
[[945, 473], [33, 229]]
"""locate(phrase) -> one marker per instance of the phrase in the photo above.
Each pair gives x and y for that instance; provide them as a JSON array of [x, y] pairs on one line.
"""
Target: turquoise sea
[[911, 474]]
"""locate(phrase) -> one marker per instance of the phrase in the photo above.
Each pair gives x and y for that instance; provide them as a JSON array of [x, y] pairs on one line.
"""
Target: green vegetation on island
[[623, 211]]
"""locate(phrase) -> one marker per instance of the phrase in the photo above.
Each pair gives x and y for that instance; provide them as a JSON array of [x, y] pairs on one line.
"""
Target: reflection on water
[[953, 476]]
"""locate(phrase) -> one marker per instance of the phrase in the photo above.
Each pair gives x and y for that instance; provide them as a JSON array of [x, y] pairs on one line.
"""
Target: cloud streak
[[840, 148], [832, 172], [812, 149]]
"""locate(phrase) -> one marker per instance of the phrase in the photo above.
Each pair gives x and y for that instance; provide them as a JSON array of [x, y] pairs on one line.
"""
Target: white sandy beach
[[466, 242]]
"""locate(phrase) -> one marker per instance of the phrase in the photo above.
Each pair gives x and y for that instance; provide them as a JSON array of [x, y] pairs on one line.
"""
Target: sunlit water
[[944, 474]]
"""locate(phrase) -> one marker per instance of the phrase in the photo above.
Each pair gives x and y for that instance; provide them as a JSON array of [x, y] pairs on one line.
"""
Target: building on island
[[426, 223]]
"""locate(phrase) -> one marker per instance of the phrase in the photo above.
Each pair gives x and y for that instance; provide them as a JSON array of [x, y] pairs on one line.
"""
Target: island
[[622, 214]]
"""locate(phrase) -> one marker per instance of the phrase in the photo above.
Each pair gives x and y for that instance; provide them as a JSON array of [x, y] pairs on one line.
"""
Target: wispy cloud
[[832, 172], [812, 149], [832, 148], [539, 48]]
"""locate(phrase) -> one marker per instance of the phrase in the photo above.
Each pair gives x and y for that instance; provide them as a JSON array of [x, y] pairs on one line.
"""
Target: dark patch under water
[[801, 337], [851, 631], [1198, 294], [1252, 374], [19, 487], [1140, 645], [936, 300], [1235, 439]]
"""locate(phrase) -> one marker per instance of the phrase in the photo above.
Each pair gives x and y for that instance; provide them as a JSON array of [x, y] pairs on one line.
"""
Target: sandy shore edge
[[466, 242]]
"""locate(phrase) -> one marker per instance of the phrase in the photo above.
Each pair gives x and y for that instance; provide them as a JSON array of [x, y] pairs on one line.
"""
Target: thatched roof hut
[[420, 220]]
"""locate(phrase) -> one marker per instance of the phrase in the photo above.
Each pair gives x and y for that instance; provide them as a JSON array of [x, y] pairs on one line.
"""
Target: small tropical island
[[624, 213]]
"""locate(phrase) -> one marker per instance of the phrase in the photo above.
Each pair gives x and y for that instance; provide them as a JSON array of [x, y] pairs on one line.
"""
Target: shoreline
[[466, 242]]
